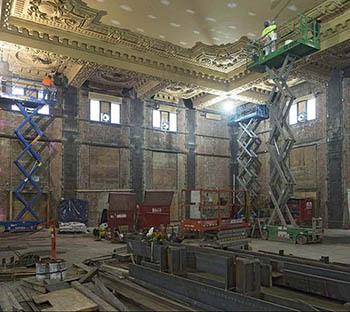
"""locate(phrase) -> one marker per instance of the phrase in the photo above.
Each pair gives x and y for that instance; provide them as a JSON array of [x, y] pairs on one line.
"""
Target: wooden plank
[[33, 283], [82, 266], [66, 300], [108, 296], [27, 299], [114, 270], [15, 304], [88, 276], [102, 305], [5, 304]]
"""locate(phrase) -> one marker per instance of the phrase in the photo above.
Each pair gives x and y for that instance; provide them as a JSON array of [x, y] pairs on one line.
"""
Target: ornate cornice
[[75, 16], [70, 28], [82, 73]]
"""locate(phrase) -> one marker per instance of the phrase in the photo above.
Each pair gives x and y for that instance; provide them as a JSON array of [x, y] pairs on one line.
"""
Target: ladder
[[280, 142]]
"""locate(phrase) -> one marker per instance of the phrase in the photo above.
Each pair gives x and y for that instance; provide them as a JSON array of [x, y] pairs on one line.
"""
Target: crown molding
[[71, 29]]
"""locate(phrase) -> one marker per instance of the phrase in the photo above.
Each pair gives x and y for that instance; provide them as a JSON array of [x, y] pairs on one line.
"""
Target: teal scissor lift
[[302, 40], [30, 100]]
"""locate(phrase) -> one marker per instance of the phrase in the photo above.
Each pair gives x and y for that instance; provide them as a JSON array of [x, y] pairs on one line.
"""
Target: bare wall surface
[[93, 158]]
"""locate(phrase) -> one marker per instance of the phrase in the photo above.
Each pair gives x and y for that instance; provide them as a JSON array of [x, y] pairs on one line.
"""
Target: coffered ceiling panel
[[184, 22]]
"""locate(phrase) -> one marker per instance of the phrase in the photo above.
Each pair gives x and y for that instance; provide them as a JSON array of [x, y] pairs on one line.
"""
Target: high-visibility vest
[[268, 30], [47, 82]]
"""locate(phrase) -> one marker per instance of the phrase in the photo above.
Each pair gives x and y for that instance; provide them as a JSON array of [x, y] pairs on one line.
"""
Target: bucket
[[51, 269]]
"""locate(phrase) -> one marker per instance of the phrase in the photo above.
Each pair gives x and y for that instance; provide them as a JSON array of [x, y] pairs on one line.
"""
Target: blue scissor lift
[[29, 106]]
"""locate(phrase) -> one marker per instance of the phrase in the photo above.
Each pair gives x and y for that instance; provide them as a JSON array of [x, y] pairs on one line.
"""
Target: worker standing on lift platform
[[269, 37], [48, 84]]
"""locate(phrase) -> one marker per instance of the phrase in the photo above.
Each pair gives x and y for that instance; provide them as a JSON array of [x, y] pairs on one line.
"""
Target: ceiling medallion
[[59, 11], [38, 59], [182, 91]]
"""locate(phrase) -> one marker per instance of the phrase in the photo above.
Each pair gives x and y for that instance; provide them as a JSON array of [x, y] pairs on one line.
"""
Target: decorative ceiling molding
[[147, 88], [75, 16], [81, 72], [72, 29]]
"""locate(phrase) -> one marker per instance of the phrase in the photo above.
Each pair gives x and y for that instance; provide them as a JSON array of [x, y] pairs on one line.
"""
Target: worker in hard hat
[[269, 37]]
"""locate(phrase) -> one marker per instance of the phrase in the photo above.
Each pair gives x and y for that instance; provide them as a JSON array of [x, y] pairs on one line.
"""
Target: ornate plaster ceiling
[[99, 41], [185, 22]]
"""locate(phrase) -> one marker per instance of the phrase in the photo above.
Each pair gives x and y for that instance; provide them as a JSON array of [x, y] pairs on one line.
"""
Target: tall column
[[137, 139], [335, 141], [70, 134], [191, 125]]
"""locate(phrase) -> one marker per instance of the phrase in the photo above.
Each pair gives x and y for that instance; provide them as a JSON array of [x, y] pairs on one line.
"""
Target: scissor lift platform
[[29, 100], [301, 42]]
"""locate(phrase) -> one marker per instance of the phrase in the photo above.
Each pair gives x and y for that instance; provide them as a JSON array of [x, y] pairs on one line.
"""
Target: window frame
[[297, 103], [169, 120], [110, 103]]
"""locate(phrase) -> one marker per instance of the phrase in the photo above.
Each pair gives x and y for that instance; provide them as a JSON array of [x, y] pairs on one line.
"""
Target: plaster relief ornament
[[56, 11], [38, 59], [182, 91]]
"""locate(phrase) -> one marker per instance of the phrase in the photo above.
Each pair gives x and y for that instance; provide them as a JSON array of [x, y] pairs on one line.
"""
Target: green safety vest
[[268, 30]]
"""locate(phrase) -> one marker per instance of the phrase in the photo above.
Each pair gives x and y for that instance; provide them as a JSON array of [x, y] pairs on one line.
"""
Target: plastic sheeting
[[74, 210]]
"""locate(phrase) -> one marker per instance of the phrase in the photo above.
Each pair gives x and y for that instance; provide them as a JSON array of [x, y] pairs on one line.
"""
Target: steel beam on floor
[[190, 291]]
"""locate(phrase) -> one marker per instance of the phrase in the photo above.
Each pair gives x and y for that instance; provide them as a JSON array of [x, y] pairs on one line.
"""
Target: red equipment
[[121, 212], [155, 210], [302, 209], [208, 210]]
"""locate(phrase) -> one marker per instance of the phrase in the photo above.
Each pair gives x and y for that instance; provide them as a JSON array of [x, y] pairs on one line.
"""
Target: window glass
[[115, 113], [45, 110], [14, 107], [293, 114], [156, 118], [164, 116], [17, 91], [95, 110], [173, 122], [311, 109]]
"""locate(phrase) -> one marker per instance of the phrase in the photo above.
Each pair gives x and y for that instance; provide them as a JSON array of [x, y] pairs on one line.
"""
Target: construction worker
[[318, 27], [269, 37], [48, 84]]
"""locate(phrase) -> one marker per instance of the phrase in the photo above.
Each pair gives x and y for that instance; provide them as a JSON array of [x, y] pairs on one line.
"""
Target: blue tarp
[[74, 210]]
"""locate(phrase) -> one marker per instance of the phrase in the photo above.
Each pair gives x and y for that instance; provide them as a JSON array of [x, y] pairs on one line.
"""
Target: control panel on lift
[[247, 111], [30, 93]]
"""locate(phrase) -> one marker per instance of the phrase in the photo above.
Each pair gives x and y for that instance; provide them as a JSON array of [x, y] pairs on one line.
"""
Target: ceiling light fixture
[[210, 19], [125, 7], [189, 11], [228, 106], [231, 5]]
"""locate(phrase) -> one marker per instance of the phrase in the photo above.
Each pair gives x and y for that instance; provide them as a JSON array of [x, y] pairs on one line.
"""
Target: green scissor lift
[[302, 40]]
